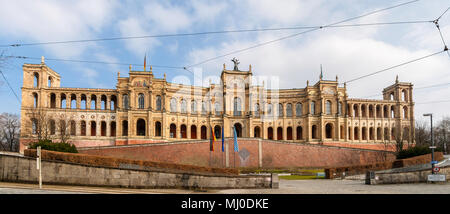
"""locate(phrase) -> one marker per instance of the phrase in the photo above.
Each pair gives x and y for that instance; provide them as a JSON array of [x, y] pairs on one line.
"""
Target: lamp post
[[432, 142]]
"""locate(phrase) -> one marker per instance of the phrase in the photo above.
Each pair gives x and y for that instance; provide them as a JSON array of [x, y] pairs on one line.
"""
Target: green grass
[[300, 177]]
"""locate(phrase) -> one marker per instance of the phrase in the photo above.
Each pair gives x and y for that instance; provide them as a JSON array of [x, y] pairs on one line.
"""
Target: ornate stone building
[[145, 109]]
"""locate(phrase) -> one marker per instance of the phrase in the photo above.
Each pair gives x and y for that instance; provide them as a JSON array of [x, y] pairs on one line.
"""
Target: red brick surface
[[274, 154]]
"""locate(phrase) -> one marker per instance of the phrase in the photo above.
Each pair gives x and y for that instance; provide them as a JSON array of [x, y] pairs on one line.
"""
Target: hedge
[[415, 151], [50, 146]]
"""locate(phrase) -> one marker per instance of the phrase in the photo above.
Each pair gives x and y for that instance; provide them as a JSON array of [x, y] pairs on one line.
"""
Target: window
[[256, 109], [126, 101], [183, 106], [298, 109], [328, 107], [280, 109], [340, 108], [289, 110], [49, 83], [237, 106], [269, 109], [313, 107], [193, 107], [217, 108], [173, 105], [203, 107], [141, 101], [158, 103]]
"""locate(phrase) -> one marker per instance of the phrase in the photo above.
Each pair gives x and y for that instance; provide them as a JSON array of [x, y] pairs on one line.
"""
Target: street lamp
[[432, 142]]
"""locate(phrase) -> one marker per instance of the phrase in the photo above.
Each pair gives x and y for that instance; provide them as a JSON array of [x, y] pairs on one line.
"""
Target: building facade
[[145, 109]]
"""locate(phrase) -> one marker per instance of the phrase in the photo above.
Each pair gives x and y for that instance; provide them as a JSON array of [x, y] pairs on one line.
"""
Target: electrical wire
[[208, 33], [300, 33], [7, 82], [395, 66]]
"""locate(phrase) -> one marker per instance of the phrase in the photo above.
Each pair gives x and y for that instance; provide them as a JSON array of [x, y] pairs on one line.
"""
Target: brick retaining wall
[[253, 153]]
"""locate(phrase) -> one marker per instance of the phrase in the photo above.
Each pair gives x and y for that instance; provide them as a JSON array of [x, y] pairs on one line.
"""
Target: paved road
[[320, 186]]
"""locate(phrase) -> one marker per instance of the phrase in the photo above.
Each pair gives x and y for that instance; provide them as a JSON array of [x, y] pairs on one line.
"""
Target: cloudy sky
[[348, 52]]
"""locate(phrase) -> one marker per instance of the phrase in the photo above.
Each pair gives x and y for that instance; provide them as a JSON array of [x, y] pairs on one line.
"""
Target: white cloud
[[43, 21]]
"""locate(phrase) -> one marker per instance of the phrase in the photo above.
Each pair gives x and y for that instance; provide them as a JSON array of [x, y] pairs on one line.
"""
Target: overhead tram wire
[[418, 88], [395, 66], [212, 32], [7, 82], [94, 62]]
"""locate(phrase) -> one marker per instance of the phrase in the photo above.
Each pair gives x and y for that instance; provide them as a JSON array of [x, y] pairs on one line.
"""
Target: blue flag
[[236, 146], [223, 140]]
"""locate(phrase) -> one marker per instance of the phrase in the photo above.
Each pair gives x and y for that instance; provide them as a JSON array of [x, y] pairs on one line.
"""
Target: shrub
[[415, 151], [58, 147]]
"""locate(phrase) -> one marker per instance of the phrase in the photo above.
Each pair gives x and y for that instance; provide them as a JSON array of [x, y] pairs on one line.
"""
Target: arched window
[[158, 103], [391, 96], [217, 131], [218, 108], [314, 132], [279, 133], [183, 106], [93, 128], [49, 83], [173, 131], [183, 131], [203, 132], [289, 133], [83, 128], [93, 102], [140, 127], [113, 129], [35, 100], [270, 133], [299, 133], [73, 101], [313, 107], [289, 110], [280, 109], [52, 127], [256, 132], [340, 110], [103, 128], [328, 107], [193, 132], [141, 101], [34, 126], [298, 109], [193, 107], [53, 100], [173, 105], [405, 95], [73, 128], [83, 104], [63, 103], [269, 109], [405, 112], [237, 106], [126, 101], [113, 103], [203, 108], [125, 128], [158, 129], [256, 109], [329, 130], [238, 129], [36, 80]]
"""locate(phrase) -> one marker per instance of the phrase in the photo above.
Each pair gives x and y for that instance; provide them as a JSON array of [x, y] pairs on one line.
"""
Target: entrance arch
[[270, 133], [329, 130]]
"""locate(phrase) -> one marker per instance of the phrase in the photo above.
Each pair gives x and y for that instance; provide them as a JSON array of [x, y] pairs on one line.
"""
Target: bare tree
[[422, 134], [64, 128], [9, 132], [40, 124]]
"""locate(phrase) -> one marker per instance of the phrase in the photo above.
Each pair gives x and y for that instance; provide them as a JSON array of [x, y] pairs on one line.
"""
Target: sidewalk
[[20, 188]]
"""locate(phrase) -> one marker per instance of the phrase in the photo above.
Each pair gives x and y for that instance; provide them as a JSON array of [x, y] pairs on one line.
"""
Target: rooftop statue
[[236, 63]]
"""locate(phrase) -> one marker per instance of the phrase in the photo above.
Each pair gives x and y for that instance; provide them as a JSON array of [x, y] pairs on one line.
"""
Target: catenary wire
[[209, 32], [300, 33]]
